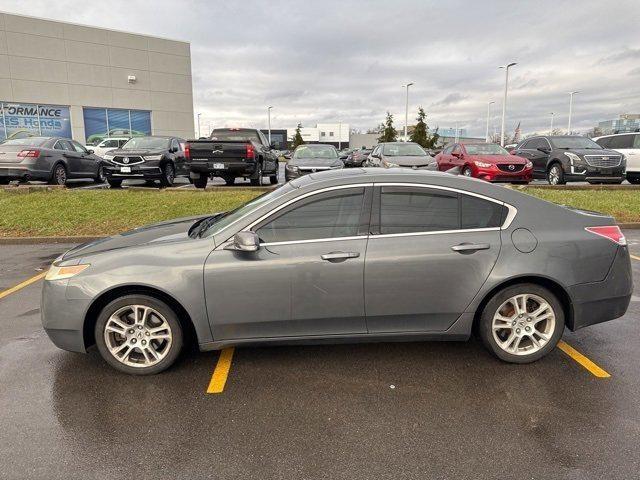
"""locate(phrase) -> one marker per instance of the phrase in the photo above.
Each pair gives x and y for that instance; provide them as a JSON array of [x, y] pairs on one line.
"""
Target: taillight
[[187, 151], [29, 153], [612, 233], [250, 153]]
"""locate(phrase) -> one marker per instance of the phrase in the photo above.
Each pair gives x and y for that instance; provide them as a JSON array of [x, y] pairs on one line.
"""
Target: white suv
[[109, 144], [629, 145]]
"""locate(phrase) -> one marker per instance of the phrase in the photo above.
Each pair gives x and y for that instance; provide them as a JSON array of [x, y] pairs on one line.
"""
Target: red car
[[486, 161]]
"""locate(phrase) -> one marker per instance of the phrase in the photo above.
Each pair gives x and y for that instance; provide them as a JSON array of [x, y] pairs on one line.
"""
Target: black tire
[[100, 177], [201, 182], [58, 175], [150, 183], [256, 179], [4, 181], [634, 180], [169, 315], [168, 175], [273, 179], [229, 180], [466, 171], [491, 308], [558, 178], [114, 182]]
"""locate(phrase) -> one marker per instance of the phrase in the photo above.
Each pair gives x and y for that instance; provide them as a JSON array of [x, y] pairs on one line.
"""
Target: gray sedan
[[49, 159], [352, 255]]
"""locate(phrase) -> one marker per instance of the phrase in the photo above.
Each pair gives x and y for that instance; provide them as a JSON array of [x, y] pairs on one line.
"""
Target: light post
[[340, 135], [486, 135], [269, 122], [571, 94], [406, 111], [504, 101], [199, 135], [551, 126]]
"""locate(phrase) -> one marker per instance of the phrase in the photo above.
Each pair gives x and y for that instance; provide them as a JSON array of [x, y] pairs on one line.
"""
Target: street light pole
[[504, 101], [199, 135], [551, 127], [406, 111], [571, 94], [486, 135], [269, 122], [340, 135]]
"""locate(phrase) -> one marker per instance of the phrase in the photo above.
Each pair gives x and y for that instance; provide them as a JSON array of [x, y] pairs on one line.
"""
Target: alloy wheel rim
[[523, 324], [466, 172], [61, 176], [554, 176], [101, 176], [138, 336], [169, 173]]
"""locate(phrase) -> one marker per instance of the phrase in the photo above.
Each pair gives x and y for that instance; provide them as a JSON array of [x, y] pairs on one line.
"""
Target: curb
[[577, 187]]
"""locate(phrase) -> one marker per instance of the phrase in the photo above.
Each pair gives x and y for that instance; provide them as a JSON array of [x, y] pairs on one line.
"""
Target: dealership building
[[86, 83]]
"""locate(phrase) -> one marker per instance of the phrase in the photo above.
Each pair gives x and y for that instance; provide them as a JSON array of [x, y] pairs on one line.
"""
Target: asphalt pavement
[[396, 411]]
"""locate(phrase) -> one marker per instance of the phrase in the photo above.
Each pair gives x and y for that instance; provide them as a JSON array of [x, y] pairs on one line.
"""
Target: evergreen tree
[[297, 138], [420, 134], [389, 134]]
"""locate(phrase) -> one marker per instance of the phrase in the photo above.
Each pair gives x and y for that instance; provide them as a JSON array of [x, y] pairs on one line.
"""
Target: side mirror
[[173, 150], [287, 156], [244, 242], [544, 149], [90, 151]]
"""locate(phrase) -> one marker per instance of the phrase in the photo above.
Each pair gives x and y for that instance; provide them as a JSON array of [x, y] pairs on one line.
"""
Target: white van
[[109, 144], [629, 145]]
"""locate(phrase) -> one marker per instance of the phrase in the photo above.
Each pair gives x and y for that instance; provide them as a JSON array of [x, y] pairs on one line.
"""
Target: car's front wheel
[[522, 323], [555, 175], [138, 334], [466, 171], [168, 175]]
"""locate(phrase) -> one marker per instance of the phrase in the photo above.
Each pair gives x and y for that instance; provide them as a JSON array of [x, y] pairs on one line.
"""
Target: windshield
[[404, 150], [235, 135], [485, 149], [232, 216], [315, 151], [146, 143], [575, 142], [28, 141]]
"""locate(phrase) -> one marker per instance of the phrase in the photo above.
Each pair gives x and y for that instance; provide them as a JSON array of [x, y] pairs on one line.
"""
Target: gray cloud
[[332, 60]]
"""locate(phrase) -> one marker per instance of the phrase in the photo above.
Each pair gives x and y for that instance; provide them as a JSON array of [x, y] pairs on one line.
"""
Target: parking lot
[[409, 410]]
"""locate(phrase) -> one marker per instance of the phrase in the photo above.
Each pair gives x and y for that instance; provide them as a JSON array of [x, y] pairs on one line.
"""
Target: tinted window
[[315, 151], [485, 149], [478, 213], [235, 135], [58, 145], [156, 143], [109, 144], [621, 141], [403, 149], [536, 143], [448, 149], [66, 145], [408, 210], [77, 147], [329, 215], [574, 142], [457, 149]]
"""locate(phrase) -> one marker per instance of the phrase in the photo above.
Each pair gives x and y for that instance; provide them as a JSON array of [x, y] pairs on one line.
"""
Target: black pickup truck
[[230, 153]]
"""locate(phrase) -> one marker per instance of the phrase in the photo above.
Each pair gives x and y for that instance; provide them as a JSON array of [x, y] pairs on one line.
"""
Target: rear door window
[[416, 209], [480, 213], [621, 141]]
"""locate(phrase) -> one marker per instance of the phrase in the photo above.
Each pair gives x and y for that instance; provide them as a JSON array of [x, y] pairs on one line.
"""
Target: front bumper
[[494, 174], [587, 173], [609, 299], [136, 171], [62, 318]]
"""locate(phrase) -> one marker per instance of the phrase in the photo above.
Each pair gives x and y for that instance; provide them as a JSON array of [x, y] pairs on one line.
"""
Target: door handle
[[470, 247], [334, 256]]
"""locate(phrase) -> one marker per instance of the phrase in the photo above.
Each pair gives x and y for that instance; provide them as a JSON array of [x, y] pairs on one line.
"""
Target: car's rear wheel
[[201, 182], [256, 180], [229, 180], [633, 179], [522, 323], [555, 175], [59, 175], [273, 179], [139, 335]]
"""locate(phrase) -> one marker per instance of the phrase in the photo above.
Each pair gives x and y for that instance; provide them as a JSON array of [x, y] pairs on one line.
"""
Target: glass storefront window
[[100, 123], [19, 120]]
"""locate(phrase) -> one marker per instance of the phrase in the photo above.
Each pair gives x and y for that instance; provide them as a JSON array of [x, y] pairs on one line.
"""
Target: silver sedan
[[352, 255]]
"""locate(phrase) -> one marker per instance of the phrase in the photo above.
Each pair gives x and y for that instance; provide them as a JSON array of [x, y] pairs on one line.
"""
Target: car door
[[88, 163], [375, 159], [444, 160], [539, 159], [456, 157], [271, 160], [72, 158], [429, 252], [625, 145], [306, 279]]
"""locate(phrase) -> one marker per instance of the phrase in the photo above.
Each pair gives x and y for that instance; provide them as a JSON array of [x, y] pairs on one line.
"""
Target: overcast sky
[[324, 61]]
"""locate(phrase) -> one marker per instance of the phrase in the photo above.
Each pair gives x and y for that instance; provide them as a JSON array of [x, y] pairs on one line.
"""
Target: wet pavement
[[405, 410]]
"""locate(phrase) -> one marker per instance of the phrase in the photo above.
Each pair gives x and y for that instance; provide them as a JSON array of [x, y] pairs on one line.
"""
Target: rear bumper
[[22, 171], [231, 169], [609, 299]]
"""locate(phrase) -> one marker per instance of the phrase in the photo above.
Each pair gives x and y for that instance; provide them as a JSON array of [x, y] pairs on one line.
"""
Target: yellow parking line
[[635, 257], [582, 360], [26, 283], [220, 374]]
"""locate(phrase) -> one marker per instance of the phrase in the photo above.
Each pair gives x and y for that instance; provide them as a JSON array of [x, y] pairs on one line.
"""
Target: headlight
[[153, 157], [291, 168], [389, 164], [482, 164], [60, 273], [573, 157], [106, 156], [528, 164]]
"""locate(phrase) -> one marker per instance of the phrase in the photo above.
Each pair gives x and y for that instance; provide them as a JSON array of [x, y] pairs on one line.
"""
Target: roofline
[[75, 24]]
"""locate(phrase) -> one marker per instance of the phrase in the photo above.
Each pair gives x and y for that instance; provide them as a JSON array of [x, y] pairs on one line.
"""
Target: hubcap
[[138, 336], [523, 324]]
